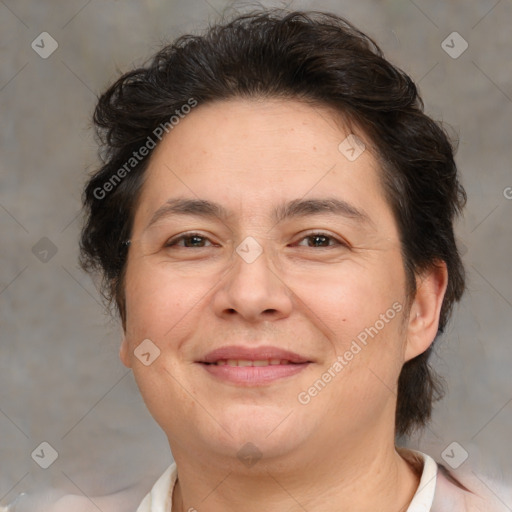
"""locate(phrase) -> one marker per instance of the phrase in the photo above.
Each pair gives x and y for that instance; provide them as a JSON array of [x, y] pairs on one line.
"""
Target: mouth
[[253, 366], [248, 362]]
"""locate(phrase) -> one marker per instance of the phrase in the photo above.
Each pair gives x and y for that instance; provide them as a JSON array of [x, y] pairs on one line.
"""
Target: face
[[265, 271]]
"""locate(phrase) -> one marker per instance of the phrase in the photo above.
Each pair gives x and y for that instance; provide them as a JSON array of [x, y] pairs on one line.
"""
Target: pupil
[[194, 239], [319, 238]]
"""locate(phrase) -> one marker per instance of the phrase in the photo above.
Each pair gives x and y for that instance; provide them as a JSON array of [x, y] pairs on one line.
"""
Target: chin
[[269, 434]]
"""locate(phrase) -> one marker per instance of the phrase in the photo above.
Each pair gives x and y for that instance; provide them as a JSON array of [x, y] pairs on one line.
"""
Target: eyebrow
[[292, 209]]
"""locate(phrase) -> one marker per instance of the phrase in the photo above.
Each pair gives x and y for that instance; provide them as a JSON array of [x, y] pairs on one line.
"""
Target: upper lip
[[239, 352]]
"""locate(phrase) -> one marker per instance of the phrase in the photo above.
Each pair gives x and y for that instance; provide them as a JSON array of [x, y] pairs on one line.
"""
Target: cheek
[[350, 300], [361, 312], [162, 393], [157, 299], [364, 380]]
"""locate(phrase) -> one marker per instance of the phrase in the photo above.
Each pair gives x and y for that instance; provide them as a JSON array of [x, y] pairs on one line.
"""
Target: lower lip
[[253, 375]]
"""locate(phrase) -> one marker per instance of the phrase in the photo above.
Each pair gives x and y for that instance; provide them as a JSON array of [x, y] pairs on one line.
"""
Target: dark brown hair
[[315, 57]]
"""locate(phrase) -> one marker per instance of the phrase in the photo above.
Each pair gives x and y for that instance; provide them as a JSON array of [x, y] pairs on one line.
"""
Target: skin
[[299, 295]]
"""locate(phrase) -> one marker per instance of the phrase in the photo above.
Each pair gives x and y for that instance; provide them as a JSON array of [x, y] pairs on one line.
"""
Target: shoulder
[[51, 500], [462, 490], [470, 492]]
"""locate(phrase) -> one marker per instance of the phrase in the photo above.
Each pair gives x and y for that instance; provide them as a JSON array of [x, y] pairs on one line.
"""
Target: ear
[[425, 309], [123, 353]]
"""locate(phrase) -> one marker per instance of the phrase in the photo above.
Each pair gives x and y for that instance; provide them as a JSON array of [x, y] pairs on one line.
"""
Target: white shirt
[[159, 499]]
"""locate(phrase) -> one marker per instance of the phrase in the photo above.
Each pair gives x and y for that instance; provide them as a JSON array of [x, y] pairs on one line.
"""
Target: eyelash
[[173, 241]]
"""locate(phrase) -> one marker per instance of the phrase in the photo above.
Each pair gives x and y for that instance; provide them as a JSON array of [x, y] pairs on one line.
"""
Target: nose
[[252, 287]]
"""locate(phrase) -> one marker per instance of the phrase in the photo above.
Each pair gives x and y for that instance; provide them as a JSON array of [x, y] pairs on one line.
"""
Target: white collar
[[159, 499], [424, 495]]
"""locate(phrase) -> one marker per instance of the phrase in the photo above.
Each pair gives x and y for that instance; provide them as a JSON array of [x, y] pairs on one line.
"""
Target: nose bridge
[[256, 260], [252, 285]]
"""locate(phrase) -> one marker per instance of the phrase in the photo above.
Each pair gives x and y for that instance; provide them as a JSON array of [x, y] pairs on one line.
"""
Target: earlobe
[[425, 309], [123, 353]]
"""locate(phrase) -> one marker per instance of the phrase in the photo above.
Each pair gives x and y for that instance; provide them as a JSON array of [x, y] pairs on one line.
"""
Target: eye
[[322, 240], [190, 240], [198, 241]]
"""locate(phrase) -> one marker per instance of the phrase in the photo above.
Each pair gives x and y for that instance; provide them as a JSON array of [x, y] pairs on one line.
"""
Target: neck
[[377, 480]]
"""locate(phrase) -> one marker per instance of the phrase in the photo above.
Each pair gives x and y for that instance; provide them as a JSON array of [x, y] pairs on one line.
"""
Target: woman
[[274, 222]]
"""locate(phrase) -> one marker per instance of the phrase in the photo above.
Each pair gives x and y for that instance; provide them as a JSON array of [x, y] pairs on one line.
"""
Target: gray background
[[61, 380]]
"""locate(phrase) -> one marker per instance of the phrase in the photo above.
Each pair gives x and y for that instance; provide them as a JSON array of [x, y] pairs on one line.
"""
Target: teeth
[[246, 362]]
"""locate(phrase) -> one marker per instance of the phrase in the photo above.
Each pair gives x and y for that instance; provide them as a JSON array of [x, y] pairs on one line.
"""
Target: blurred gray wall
[[61, 380]]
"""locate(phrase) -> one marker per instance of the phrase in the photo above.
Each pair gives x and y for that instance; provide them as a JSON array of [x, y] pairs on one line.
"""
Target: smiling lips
[[247, 362], [253, 366]]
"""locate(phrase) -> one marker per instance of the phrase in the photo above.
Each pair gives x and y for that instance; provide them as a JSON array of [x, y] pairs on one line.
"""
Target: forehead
[[232, 130], [253, 155]]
